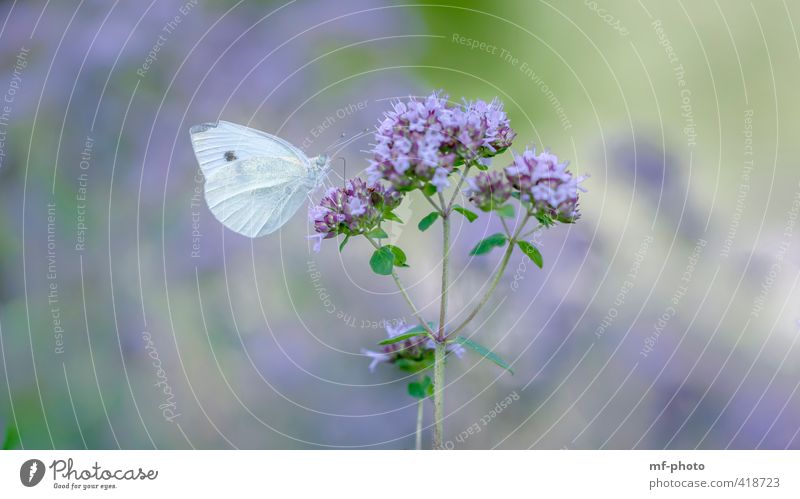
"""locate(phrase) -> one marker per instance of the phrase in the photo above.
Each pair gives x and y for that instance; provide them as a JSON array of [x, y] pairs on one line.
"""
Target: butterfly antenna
[[336, 142], [343, 144], [333, 171]]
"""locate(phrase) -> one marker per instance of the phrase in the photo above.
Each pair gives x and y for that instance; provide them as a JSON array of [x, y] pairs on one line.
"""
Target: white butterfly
[[255, 181]]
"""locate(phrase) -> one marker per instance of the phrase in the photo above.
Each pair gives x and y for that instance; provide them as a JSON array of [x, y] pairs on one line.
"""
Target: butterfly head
[[320, 165]]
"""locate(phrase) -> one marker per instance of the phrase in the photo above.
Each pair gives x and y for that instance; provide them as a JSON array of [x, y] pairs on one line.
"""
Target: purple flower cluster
[[485, 130], [546, 184], [413, 354], [356, 208], [421, 142], [488, 190], [539, 181]]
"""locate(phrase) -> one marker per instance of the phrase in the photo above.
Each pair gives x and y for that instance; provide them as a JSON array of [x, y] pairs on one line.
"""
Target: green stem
[[420, 412], [414, 310], [433, 203], [490, 291], [403, 292], [438, 394], [531, 232], [445, 273], [464, 176], [505, 226], [512, 242], [441, 346]]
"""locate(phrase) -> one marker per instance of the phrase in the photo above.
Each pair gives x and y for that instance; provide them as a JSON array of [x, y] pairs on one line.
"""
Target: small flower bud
[[351, 210], [416, 351], [546, 184], [488, 190]]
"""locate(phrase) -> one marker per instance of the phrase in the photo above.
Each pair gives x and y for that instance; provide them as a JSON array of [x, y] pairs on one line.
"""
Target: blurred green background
[[666, 318]]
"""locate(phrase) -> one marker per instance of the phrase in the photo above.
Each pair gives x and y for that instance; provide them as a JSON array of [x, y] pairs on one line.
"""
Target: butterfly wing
[[216, 145], [252, 178], [291, 203]]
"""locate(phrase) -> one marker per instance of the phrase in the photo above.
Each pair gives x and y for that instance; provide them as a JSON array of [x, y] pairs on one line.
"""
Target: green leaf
[[421, 389], [377, 233], [544, 219], [420, 328], [429, 190], [416, 365], [505, 211], [532, 252], [391, 216], [398, 254], [416, 390], [480, 166], [428, 220], [400, 337], [414, 331], [471, 216], [382, 261], [484, 352], [344, 241], [500, 151], [486, 245], [11, 439]]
